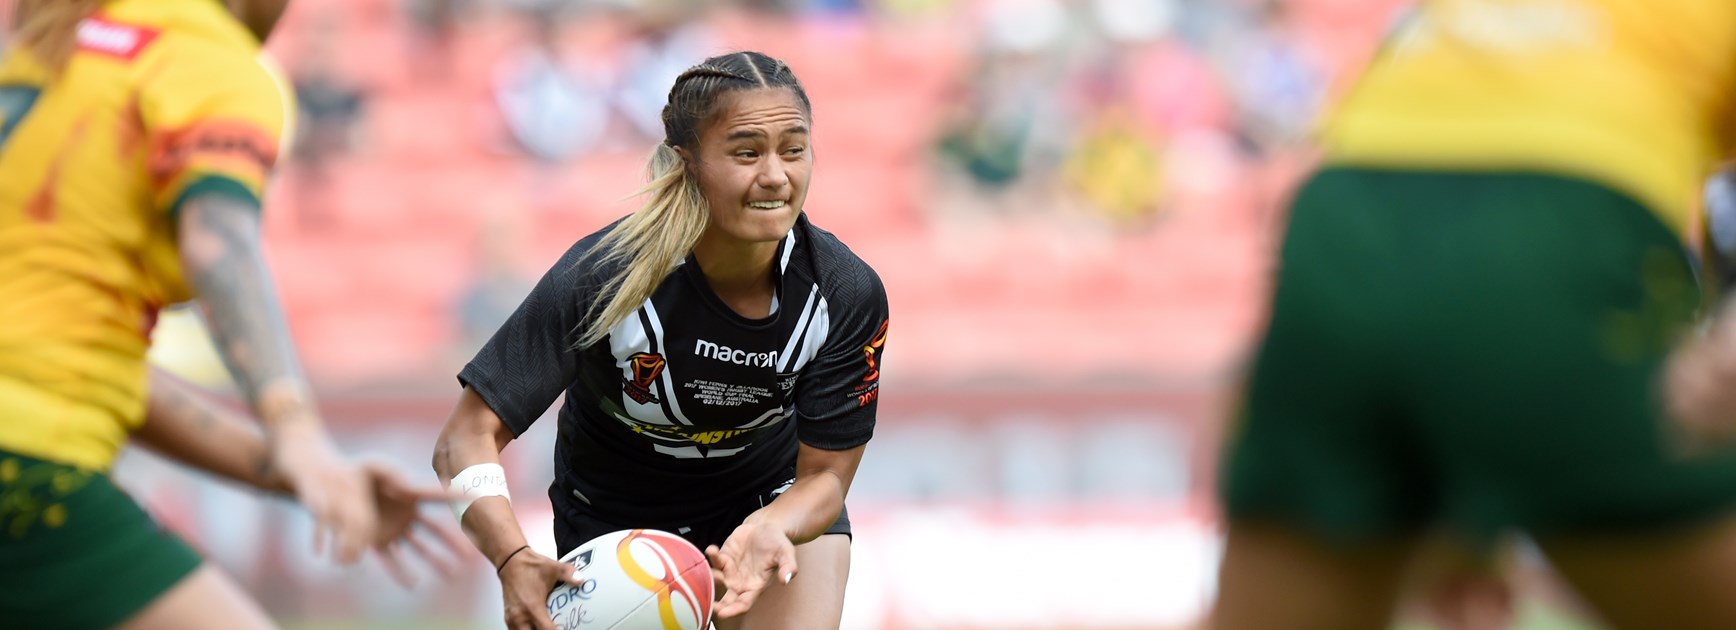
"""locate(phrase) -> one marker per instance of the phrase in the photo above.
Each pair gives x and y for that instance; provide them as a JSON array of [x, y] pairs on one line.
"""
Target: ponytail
[[650, 241], [50, 27]]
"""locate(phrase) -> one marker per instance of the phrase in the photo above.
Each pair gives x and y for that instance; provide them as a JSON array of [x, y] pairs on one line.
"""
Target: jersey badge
[[646, 366]]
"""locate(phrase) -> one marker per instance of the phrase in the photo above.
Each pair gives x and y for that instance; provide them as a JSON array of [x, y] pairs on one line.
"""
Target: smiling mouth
[[766, 205]]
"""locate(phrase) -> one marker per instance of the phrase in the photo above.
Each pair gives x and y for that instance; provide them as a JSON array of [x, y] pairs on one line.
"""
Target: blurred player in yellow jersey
[[1479, 291], [135, 139]]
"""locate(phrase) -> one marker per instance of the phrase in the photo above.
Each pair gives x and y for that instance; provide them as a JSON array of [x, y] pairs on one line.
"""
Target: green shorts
[[1471, 350], [76, 552]]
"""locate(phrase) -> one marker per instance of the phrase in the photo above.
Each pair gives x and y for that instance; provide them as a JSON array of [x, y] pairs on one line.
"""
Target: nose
[[772, 175]]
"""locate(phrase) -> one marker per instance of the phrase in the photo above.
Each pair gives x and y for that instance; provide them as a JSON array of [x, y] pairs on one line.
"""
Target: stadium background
[[1071, 202]]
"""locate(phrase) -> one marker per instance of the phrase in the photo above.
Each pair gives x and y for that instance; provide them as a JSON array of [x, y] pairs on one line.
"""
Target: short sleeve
[[214, 119], [838, 392], [530, 360]]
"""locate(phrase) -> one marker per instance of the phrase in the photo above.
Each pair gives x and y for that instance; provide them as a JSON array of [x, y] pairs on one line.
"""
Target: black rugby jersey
[[687, 407]]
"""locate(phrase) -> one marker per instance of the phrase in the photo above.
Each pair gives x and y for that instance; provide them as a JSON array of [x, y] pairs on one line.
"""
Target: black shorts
[[581, 523]]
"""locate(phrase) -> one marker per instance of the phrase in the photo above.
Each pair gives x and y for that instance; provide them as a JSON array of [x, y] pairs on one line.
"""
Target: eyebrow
[[746, 134]]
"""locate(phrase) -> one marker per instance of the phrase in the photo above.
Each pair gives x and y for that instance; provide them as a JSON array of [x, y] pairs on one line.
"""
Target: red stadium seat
[[417, 129]]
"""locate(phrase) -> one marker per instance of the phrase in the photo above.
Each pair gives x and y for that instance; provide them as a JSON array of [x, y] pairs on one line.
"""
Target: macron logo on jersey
[[727, 354], [119, 40]]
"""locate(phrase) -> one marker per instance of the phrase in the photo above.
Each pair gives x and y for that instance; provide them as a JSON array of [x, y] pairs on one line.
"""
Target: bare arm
[[185, 424], [763, 547], [475, 435], [220, 251], [189, 425], [814, 501]]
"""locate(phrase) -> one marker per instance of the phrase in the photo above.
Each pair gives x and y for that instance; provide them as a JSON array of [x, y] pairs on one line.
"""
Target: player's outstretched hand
[[336, 492], [1700, 383], [526, 580], [750, 558], [402, 524]]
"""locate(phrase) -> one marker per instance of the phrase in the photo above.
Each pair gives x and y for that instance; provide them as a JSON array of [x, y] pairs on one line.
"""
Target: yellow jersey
[[1633, 94], [162, 100]]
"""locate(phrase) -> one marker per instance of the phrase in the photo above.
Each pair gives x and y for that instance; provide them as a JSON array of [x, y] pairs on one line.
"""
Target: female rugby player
[[718, 356]]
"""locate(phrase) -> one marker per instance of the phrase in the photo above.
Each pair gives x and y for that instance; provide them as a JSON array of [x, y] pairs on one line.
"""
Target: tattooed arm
[[191, 427], [220, 251], [186, 424]]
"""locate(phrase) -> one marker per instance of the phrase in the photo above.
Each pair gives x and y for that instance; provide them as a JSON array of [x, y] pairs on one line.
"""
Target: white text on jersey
[[727, 354]]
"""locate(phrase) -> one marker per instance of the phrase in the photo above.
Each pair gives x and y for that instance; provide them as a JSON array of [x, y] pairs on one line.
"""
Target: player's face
[[259, 16], [753, 164]]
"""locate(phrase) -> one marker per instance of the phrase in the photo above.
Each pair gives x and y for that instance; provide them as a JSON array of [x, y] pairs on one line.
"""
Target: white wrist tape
[[475, 482]]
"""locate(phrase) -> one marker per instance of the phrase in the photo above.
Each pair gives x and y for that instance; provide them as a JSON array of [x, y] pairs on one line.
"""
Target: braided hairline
[[708, 70], [696, 73], [779, 72]]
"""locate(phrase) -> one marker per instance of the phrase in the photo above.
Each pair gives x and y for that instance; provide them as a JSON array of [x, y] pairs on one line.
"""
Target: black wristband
[[509, 556]]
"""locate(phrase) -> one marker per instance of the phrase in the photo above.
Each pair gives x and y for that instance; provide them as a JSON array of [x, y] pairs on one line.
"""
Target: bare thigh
[[812, 601], [1681, 580], [1275, 578], [205, 600]]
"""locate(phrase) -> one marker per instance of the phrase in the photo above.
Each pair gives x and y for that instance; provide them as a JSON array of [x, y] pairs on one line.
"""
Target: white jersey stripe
[[789, 248], [692, 452], [626, 339], [801, 327], [819, 327], [669, 394]]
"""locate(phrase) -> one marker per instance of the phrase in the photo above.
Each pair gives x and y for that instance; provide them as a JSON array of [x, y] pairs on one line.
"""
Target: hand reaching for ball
[[752, 556]]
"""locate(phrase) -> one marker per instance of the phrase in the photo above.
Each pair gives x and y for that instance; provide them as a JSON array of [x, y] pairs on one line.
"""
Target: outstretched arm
[[763, 547], [803, 512], [189, 425], [220, 251]]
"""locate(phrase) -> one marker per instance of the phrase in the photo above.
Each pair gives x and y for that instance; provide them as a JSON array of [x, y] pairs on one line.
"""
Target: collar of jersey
[[690, 267], [201, 18]]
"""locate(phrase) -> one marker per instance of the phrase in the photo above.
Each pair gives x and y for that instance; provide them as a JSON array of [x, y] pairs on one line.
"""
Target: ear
[[688, 161]]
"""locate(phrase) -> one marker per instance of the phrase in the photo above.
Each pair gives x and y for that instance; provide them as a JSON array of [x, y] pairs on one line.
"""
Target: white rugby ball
[[636, 579]]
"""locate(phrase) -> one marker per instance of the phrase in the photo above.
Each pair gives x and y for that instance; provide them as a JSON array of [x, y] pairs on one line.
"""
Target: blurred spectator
[[1012, 122], [1277, 87], [552, 111], [1117, 168], [330, 110], [1172, 88], [666, 38], [434, 33], [499, 283], [767, 7], [1146, 87], [546, 7], [834, 7], [912, 9]]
